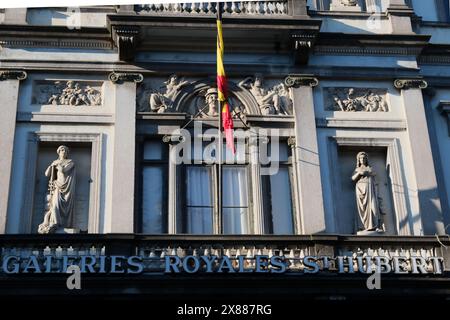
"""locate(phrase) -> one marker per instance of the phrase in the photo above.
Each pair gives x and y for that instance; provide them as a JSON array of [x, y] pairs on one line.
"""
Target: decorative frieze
[[68, 93], [406, 84], [270, 100], [98, 44], [12, 75], [249, 96], [356, 100]]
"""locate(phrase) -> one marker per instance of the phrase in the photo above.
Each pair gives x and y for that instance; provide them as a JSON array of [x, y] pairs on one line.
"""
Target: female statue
[[60, 199], [369, 218]]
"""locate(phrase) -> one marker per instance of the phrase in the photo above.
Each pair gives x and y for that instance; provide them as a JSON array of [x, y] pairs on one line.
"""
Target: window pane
[[280, 190], [235, 200], [198, 186], [153, 150], [199, 220], [152, 200], [279, 152], [234, 187], [235, 220]]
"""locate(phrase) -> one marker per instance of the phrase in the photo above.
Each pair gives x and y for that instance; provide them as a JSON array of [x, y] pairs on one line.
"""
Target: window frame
[[266, 190], [217, 227], [163, 163]]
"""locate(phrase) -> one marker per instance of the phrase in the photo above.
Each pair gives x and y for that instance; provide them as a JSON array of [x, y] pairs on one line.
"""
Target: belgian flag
[[227, 119]]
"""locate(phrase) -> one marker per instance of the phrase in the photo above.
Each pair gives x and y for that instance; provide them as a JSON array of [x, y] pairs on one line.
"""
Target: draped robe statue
[[369, 215], [60, 199]]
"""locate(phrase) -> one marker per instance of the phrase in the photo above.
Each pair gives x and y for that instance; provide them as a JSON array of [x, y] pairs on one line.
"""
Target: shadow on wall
[[431, 213], [43, 16]]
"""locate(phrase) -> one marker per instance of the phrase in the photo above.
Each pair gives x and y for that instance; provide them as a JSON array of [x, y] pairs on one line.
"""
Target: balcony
[[231, 8], [276, 27]]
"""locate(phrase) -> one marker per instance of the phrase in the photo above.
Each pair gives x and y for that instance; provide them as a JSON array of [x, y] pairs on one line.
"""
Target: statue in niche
[[351, 101], [270, 101], [61, 193], [367, 201], [162, 102]]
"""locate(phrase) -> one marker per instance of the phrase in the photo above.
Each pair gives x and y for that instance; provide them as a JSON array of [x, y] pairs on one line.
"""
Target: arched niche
[[187, 100]]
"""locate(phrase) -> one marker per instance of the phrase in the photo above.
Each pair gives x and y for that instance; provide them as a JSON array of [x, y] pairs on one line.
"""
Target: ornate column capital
[[120, 77], [297, 80], [406, 84], [12, 75]]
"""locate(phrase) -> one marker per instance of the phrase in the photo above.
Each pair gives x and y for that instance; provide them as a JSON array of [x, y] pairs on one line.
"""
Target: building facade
[[352, 97]]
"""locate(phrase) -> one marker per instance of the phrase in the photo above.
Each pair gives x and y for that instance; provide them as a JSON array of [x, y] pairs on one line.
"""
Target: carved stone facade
[[356, 100], [67, 93], [313, 86], [247, 94]]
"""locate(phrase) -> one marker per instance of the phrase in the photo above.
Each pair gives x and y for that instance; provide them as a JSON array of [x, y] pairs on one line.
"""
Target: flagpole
[[219, 153]]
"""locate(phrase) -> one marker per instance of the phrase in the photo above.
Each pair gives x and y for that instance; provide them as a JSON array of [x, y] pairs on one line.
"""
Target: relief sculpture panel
[[68, 93], [356, 100], [250, 95]]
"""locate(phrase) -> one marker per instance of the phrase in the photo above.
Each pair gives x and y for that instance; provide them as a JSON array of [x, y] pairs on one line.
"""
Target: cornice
[[14, 36], [367, 44], [435, 54]]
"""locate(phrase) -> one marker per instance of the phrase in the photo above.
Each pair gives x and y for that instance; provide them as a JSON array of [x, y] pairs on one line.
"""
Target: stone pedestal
[[310, 210], [400, 14]]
